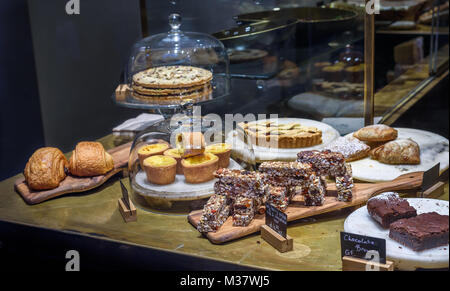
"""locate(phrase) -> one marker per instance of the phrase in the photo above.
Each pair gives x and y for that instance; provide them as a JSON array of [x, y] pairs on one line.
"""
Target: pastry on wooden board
[[200, 168], [90, 159], [190, 143], [397, 152], [376, 133], [160, 169], [45, 169]]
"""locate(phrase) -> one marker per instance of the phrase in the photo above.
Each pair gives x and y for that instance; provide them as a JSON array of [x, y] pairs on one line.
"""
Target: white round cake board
[[241, 150], [178, 189], [433, 149], [404, 258]]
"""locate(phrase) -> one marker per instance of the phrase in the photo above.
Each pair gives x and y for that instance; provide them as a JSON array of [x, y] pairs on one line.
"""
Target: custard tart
[[160, 169], [190, 143], [222, 151], [200, 168], [151, 150], [176, 154]]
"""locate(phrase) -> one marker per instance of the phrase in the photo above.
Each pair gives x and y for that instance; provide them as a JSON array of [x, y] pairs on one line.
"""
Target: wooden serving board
[[296, 210], [72, 184]]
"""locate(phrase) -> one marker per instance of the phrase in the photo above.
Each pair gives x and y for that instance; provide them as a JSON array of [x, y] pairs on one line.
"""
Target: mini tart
[[176, 154], [199, 169], [151, 150], [190, 143], [284, 136], [160, 169], [222, 151]]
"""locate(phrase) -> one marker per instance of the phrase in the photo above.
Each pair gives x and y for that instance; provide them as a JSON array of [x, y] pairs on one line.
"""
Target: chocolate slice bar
[[389, 207], [424, 231], [315, 195], [215, 213], [344, 185], [286, 169], [279, 197], [243, 211], [324, 163]]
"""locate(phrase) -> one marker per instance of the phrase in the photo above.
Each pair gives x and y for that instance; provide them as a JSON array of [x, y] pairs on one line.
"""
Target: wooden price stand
[[364, 253], [275, 230]]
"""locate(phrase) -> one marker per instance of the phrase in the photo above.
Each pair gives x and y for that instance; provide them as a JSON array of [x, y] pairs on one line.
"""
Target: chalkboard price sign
[[276, 220], [363, 247]]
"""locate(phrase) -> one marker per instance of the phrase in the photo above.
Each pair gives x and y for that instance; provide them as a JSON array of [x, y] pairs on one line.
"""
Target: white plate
[[360, 222], [241, 150], [176, 190], [433, 149]]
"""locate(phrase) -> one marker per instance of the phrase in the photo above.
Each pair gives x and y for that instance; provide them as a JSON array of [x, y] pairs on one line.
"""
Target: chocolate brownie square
[[389, 207], [425, 231]]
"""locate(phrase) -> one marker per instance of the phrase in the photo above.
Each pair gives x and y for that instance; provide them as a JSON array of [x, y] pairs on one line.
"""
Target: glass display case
[[168, 71]]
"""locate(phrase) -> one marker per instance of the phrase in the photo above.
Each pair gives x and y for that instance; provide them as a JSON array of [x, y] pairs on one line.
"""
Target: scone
[[350, 147], [190, 143], [376, 133], [222, 151], [176, 154], [160, 169], [151, 150], [199, 169], [397, 152]]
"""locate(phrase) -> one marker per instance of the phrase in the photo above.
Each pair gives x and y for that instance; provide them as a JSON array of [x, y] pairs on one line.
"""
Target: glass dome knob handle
[[175, 21]]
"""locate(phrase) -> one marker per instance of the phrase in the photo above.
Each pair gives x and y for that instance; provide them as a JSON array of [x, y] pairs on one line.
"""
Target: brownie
[[425, 231], [389, 207]]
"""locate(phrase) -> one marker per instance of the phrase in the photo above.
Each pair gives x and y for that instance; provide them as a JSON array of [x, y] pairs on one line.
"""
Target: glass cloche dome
[[170, 69], [167, 176]]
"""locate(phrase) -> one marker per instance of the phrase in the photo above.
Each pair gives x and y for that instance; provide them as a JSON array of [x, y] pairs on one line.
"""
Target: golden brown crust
[[143, 154], [190, 143], [285, 136], [45, 169], [90, 159], [223, 154], [397, 152], [202, 172], [171, 92], [170, 100], [172, 77], [376, 133], [160, 174], [177, 156]]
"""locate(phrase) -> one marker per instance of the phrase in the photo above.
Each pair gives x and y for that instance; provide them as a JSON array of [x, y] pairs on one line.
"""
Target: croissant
[[400, 151], [90, 159], [45, 169]]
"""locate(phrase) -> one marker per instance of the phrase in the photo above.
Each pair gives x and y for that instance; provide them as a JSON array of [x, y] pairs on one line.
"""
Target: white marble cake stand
[[433, 149], [178, 190], [404, 258], [261, 154]]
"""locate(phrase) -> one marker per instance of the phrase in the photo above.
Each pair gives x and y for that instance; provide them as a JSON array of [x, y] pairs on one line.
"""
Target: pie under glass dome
[[168, 70]]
